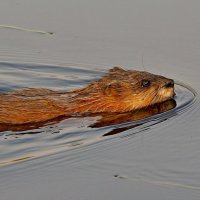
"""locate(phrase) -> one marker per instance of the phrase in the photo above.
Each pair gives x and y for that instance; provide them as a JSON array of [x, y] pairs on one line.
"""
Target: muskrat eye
[[146, 83]]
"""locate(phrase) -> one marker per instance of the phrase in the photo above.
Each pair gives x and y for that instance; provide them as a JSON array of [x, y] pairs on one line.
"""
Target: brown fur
[[118, 91]]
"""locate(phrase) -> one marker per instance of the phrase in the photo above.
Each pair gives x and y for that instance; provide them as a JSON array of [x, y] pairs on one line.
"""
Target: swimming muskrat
[[118, 91]]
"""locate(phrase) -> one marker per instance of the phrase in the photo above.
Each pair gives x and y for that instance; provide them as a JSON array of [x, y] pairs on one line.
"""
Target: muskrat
[[118, 91]]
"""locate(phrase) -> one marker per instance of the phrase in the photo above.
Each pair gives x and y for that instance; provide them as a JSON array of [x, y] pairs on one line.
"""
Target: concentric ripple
[[74, 132]]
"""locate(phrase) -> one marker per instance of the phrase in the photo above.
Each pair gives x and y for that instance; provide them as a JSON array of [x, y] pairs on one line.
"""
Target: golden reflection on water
[[9, 162]]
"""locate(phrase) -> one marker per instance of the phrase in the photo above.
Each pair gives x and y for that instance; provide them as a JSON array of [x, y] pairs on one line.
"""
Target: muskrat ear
[[116, 69], [113, 88]]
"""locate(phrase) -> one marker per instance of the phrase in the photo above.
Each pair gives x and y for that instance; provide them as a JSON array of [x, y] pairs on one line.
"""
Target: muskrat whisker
[[152, 93]]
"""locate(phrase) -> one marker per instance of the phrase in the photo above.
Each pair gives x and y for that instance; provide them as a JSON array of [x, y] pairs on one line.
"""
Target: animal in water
[[118, 91]]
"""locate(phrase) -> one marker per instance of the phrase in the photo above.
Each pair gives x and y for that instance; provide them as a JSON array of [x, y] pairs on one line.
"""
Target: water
[[21, 144], [154, 158]]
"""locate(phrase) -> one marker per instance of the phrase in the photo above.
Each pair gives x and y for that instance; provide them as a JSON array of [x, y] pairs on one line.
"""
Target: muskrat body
[[117, 92]]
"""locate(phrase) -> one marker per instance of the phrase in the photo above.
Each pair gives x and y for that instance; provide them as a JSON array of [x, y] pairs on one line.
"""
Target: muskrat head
[[125, 90]]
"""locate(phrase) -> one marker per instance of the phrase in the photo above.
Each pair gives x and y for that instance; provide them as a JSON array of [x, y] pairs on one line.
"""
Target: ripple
[[77, 131]]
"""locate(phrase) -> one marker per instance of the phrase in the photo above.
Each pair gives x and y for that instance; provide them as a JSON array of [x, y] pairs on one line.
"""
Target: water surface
[[27, 142], [160, 158]]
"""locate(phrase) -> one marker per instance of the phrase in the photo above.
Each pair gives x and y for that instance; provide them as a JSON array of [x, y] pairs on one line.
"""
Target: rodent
[[118, 91]]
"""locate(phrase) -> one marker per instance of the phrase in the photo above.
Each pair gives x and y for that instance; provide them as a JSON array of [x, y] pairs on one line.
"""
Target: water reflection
[[113, 119], [104, 119]]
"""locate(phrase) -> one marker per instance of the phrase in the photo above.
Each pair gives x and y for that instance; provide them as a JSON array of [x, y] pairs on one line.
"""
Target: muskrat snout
[[169, 84], [167, 89]]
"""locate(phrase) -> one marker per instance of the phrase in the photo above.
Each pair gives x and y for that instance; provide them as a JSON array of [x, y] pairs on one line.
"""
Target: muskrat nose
[[169, 83]]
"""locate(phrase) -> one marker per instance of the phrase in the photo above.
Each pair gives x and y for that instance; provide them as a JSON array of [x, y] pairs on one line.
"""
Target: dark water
[[154, 158]]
